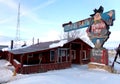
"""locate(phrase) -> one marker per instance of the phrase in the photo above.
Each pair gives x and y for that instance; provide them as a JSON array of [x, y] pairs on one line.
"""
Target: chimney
[[38, 41], [11, 44]]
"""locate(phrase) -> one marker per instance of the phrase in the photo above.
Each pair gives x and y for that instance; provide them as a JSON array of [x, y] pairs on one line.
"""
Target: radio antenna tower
[[18, 26]]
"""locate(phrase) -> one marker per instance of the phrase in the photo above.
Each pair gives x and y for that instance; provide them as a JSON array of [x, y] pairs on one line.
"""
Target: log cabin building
[[52, 55]]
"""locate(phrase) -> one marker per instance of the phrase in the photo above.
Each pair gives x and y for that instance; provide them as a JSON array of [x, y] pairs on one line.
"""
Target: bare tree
[[71, 35]]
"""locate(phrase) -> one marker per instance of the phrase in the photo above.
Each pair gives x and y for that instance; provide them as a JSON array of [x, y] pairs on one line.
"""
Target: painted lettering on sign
[[97, 52], [77, 25], [107, 16]]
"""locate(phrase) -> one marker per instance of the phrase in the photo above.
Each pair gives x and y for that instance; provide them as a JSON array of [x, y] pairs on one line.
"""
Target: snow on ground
[[5, 73], [77, 74]]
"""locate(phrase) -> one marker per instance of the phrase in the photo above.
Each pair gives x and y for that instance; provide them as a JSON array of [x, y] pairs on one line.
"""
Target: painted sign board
[[99, 56], [87, 22]]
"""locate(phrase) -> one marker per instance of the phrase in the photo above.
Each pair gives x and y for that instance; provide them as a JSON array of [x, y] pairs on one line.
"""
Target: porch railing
[[44, 67]]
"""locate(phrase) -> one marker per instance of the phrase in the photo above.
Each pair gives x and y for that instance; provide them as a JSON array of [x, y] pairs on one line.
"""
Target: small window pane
[[52, 55]]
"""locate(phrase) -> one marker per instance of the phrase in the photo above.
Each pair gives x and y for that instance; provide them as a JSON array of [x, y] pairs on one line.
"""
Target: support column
[[27, 59], [21, 59], [70, 53], [56, 56], [81, 54], [66, 56]]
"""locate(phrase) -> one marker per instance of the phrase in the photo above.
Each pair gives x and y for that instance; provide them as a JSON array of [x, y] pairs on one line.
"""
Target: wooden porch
[[26, 69]]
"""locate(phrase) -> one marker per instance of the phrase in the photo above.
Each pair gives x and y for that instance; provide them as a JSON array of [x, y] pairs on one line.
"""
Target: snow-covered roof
[[42, 46], [32, 48], [3, 46], [60, 43]]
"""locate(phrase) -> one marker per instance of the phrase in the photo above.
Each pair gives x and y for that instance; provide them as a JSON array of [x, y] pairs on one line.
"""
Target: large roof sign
[[107, 16], [97, 31], [97, 26]]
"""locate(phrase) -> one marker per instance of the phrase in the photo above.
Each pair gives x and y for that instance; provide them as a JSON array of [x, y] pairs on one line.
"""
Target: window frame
[[74, 55], [84, 55], [61, 51]]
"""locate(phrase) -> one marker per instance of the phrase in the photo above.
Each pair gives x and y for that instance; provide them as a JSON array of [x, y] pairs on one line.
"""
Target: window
[[29, 57], [84, 55], [73, 54], [68, 52], [52, 55], [40, 58], [63, 52]]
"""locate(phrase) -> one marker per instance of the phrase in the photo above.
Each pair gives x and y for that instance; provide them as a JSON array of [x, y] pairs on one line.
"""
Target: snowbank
[[5, 71], [75, 75]]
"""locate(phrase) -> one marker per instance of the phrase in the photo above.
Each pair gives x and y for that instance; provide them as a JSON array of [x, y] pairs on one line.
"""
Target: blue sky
[[43, 19]]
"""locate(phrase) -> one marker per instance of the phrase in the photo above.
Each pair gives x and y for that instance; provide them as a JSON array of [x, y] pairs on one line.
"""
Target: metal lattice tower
[[18, 25]]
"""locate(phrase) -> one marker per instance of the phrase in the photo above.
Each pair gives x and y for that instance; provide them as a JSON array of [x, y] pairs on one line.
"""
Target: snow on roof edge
[[60, 43]]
